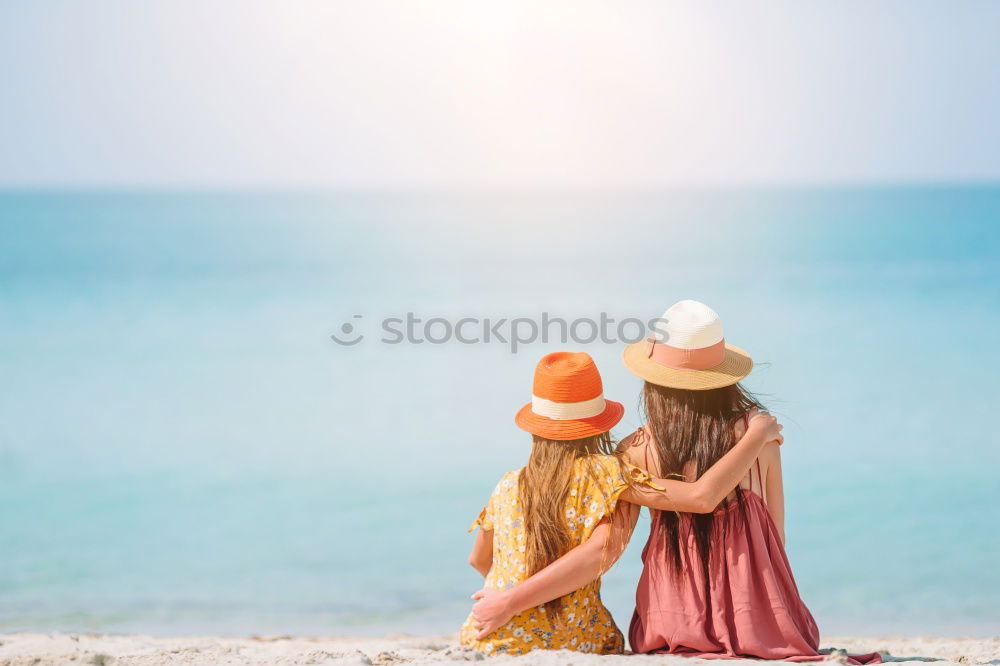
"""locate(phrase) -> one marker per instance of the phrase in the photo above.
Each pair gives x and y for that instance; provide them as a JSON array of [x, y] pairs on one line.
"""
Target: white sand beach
[[103, 650]]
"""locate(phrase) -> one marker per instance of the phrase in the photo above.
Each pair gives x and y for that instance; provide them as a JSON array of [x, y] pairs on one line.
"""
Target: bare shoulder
[[771, 453]]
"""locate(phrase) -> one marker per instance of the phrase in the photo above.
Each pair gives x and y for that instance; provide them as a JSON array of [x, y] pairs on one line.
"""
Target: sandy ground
[[45, 650]]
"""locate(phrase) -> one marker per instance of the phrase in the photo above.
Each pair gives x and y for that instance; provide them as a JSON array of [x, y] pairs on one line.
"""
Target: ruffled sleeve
[[640, 477], [599, 489], [485, 518]]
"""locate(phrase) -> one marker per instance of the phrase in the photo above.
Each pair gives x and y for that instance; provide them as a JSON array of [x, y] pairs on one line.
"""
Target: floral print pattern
[[586, 625]]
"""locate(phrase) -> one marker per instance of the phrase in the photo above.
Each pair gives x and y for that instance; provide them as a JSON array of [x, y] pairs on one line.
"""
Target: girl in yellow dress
[[567, 497]]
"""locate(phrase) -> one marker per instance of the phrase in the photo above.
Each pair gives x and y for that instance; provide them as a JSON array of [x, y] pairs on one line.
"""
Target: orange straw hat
[[567, 401], [688, 351]]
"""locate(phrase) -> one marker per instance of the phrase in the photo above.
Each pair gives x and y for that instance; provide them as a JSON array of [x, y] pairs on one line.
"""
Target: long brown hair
[[542, 487], [693, 427]]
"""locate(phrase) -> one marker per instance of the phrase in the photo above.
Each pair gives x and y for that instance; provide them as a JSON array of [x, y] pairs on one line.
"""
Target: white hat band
[[566, 411]]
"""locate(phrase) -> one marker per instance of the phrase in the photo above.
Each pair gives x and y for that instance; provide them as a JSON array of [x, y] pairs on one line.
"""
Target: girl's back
[[717, 585], [745, 603], [584, 623]]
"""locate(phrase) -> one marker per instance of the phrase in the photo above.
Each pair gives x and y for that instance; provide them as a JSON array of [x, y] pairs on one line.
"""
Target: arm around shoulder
[[703, 495]]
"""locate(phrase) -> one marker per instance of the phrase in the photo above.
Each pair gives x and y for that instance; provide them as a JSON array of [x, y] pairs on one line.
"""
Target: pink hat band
[[687, 359]]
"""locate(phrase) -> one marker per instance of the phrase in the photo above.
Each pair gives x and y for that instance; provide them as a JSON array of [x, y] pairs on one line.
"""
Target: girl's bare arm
[[481, 557], [581, 566], [774, 492]]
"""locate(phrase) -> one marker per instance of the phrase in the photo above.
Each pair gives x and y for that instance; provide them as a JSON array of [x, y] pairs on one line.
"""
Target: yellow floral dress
[[587, 626]]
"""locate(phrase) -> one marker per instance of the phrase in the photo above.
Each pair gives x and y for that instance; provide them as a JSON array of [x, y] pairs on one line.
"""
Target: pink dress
[[752, 607]]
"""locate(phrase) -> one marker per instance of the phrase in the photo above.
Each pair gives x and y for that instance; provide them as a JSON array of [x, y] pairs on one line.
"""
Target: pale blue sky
[[462, 93]]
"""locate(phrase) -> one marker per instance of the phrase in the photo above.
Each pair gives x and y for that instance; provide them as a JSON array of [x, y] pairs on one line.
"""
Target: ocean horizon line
[[519, 189]]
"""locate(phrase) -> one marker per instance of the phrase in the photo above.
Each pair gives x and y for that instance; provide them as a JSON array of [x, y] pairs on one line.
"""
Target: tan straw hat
[[688, 351]]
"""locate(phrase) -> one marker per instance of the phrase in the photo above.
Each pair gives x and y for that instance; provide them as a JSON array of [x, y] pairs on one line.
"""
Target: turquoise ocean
[[184, 448]]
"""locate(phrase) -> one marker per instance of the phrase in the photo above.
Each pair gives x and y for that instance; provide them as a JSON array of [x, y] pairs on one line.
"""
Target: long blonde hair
[[542, 487]]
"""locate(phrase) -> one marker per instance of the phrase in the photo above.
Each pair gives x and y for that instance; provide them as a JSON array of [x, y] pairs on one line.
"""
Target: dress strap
[[760, 482]]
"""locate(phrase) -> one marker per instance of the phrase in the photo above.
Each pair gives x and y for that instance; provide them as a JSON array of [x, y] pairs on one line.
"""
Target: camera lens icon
[[348, 336]]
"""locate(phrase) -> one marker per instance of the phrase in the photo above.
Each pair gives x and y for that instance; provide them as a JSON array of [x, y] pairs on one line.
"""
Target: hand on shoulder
[[766, 425]]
